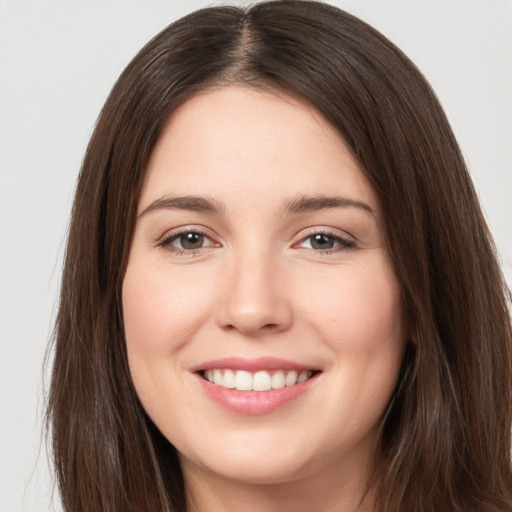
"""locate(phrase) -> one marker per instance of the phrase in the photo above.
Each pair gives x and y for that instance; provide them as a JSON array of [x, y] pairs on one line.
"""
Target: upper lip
[[251, 365]]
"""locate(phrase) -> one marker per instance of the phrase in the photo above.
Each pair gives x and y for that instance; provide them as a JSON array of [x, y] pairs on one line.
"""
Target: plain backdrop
[[58, 61]]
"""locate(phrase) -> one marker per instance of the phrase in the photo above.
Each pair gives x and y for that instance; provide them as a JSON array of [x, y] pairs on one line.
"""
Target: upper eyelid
[[334, 232], [165, 242], [175, 232], [300, 236], [344, 242]]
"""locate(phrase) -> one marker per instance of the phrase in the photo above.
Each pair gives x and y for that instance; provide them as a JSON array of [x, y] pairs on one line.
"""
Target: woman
[[272, 296]]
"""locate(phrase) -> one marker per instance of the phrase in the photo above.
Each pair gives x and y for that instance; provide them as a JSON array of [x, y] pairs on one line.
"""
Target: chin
[[264, 455], [261, 469]]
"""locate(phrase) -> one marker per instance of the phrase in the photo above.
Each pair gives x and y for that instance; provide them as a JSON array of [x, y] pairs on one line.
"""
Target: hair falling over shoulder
[[446, 434]]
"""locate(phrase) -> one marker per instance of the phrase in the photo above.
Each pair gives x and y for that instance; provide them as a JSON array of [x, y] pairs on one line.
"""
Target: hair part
[[446, 435]]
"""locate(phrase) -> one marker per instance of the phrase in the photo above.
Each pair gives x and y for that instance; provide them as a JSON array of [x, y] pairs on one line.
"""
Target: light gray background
[[58, 61]]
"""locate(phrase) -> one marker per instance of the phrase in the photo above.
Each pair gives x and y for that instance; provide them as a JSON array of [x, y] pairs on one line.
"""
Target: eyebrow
[[190, 203], [302, 204]]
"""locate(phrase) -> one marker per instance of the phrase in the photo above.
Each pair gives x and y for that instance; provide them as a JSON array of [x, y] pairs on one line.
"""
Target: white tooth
[[291, 378], [209, 375], [303, 376], [228, 381], [261, 381], [217, 377], [243, 380], [278, 380]]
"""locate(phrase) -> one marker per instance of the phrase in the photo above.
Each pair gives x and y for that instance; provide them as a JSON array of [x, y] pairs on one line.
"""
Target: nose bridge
[[252, 299]]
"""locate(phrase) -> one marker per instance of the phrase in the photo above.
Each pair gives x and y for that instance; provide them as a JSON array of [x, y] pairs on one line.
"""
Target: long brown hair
[[446, 435]]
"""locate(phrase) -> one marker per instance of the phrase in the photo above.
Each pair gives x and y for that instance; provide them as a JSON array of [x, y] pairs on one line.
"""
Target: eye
[[326, 243], [188, 241]]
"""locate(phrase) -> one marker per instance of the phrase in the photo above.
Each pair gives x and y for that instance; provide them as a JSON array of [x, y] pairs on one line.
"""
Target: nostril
[[253, 305]]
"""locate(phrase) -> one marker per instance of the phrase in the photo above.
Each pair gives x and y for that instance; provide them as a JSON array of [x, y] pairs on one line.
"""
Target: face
[[263, 321]]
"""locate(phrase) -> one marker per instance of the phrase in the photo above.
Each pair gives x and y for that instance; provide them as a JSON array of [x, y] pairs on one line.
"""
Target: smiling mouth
[[261, 380]]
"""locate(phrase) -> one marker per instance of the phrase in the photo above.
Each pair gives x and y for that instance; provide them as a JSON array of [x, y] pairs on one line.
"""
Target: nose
[[254, 298]]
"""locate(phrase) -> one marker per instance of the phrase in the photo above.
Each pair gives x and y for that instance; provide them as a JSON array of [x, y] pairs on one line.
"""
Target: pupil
[[191, 240], [322, 242]]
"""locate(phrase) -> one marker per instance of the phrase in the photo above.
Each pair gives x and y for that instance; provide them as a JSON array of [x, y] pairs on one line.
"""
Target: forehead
[[245, 143]]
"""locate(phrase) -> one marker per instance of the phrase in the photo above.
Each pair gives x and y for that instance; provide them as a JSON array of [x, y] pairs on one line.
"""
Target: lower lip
[[254, 403]]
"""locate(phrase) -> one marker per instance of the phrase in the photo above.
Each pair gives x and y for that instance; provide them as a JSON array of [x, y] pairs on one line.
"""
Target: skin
[[256, 285]]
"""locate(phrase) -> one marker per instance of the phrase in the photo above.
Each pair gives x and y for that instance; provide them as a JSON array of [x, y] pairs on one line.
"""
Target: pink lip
[[251, 365], [253, 402]]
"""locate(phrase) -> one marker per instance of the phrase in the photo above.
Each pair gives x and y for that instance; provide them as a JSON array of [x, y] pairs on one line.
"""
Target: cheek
[[161, 311], [359, 317], [374, 312], [358, 308], [161, 314]]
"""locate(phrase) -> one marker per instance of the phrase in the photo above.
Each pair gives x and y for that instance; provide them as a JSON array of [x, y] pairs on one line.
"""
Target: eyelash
[[166, 243], [344, 244]]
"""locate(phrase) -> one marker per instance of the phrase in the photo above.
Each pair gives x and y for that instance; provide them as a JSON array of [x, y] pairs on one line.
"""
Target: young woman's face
[[258, 262]]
